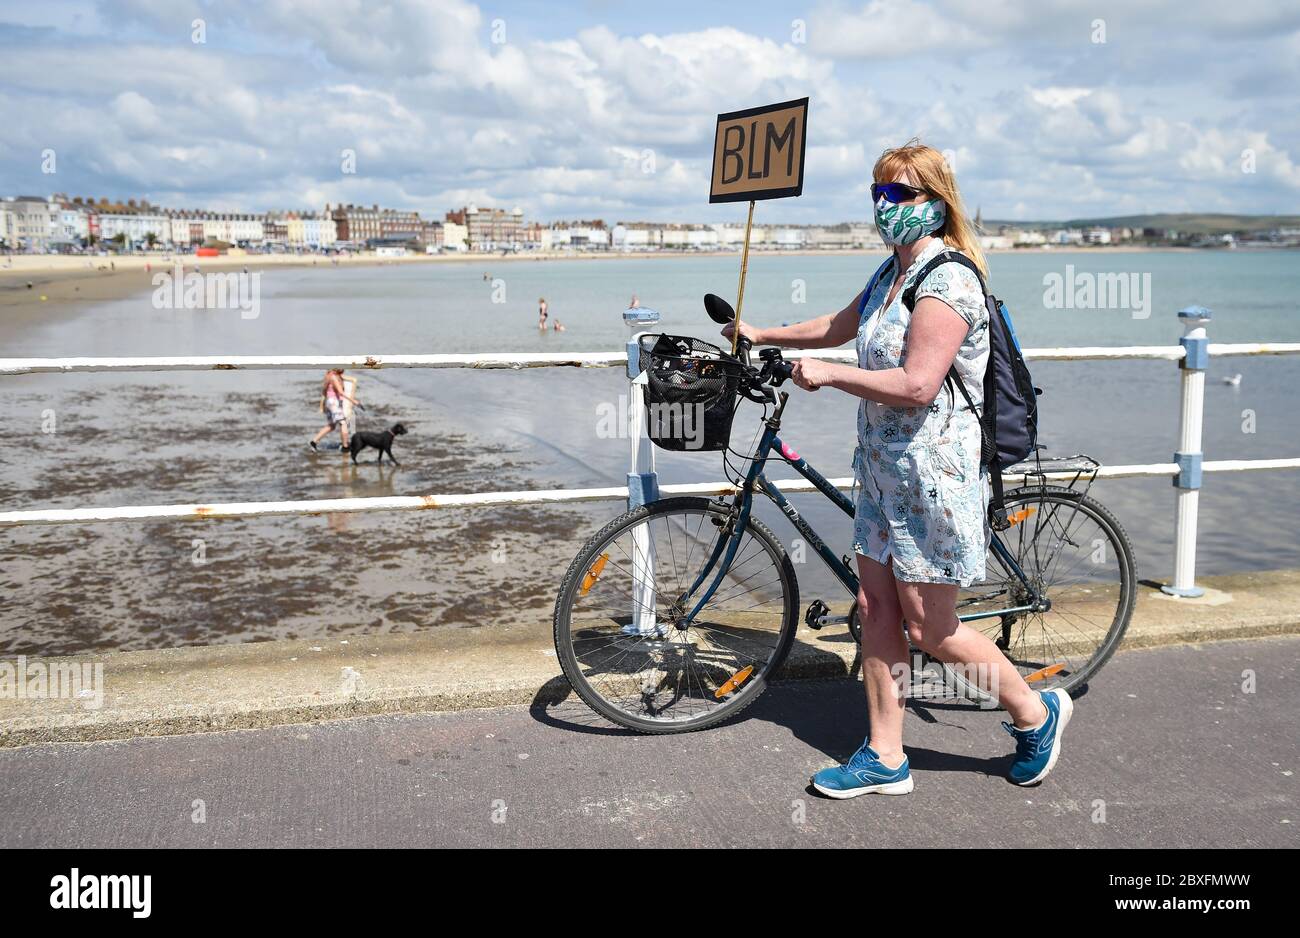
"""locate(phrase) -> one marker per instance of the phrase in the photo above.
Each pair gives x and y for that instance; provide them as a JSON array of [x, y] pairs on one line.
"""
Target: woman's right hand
[[753, 333]]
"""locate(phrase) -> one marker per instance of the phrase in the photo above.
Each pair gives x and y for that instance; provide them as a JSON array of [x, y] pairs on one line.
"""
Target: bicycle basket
[[690, 393]]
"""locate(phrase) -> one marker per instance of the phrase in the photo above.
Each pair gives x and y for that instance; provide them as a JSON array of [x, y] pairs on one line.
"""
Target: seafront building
[[636, 236], [74, 223], [490, 229], [359, 225], [134, 230], [575, 236], [455, 234], [31, 223], [37, 224], [310, 230], [653, 236]]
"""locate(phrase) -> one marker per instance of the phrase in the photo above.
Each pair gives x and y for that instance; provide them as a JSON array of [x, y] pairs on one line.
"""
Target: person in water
[[333, 394], [541, 313]]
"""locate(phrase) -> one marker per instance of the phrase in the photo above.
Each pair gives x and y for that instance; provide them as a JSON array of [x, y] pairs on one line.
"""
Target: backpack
[[1009, 423]]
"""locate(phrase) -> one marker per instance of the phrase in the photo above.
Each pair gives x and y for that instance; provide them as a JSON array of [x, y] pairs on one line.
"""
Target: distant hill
[[1189, 223]]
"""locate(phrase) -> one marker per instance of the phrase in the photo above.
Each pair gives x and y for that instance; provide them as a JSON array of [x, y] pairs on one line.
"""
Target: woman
[[920, 531], [333, 394], [541, 314]]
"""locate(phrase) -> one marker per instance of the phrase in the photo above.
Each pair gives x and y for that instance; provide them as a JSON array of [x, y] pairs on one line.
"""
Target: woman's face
[[905, 177]]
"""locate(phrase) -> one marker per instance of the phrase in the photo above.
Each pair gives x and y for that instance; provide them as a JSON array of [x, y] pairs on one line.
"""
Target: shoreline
[[30, 281]]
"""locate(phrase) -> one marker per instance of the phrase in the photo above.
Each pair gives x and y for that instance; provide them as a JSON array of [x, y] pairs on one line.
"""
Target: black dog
[[380, 441]]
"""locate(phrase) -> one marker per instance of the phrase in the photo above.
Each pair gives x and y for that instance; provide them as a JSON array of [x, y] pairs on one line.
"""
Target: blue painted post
[[1189, 457]]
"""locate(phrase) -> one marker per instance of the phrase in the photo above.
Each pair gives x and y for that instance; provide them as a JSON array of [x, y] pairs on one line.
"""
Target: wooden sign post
[[758, 154]]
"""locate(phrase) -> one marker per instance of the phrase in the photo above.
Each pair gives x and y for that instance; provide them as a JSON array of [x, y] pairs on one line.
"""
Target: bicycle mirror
[[719, 310]]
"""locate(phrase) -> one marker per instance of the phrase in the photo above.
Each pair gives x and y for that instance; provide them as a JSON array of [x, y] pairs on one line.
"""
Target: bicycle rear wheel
[[620, 633], [1074, 553]]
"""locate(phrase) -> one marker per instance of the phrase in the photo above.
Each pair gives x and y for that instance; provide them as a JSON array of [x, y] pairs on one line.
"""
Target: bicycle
[[658, 645]]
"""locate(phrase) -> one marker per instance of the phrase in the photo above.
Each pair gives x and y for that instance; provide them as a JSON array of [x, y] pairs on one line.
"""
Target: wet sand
[[165, 439], [138, 586]]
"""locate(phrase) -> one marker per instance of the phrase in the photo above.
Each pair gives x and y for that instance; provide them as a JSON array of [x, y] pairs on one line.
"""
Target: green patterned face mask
[[903, 224]]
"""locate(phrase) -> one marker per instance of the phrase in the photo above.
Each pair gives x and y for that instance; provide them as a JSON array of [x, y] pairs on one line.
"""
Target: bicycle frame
[[756, 480]]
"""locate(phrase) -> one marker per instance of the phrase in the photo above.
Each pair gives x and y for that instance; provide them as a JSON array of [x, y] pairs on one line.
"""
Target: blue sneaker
[[864, 774], [1037, 749]]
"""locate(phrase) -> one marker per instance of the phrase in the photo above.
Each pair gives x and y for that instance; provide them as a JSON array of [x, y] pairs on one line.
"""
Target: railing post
[[642, 488], [642, 480], [1196, 346]]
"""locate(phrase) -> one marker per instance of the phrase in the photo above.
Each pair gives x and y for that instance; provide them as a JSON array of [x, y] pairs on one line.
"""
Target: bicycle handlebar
[[760, 381]]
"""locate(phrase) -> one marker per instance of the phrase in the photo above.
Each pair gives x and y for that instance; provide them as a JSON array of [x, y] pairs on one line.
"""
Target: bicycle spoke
[[672, 671], [1070, 560]]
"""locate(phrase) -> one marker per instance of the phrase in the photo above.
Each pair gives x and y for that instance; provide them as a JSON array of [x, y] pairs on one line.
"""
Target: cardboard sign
[[758, 153]]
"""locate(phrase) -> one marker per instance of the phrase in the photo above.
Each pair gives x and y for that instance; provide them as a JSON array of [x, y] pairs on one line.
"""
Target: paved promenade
[[187, 690], [1166, 750]]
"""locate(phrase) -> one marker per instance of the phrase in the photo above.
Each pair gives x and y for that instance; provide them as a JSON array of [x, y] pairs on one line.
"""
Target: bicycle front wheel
[[1070, 551], [621, 629]]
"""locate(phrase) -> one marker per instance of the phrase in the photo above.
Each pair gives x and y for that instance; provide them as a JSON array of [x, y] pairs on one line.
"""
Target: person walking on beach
[[920, 530], [333, 394], [541, 313]]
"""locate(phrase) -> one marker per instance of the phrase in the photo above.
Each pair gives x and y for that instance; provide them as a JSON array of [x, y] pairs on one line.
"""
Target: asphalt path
[[1172, 747]]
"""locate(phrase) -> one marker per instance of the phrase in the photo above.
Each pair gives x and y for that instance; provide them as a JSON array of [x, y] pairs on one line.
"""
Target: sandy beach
[[58, 280]]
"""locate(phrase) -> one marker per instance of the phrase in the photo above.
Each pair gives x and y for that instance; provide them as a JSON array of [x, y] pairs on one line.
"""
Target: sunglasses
[[894, 191]]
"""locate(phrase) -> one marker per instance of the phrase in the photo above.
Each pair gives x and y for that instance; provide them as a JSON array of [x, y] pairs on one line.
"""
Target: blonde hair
[[930, 171]]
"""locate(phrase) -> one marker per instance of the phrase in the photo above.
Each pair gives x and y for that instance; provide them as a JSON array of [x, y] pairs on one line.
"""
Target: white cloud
[[1043, 122], [891, 29]]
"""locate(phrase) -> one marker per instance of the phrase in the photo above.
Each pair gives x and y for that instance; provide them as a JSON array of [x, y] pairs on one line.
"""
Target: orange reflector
[[593, 574], [1043, 674], [731, 683], [1018, 516]]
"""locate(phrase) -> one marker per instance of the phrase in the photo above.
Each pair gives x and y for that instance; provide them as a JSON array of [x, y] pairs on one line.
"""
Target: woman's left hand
[[811, 373]]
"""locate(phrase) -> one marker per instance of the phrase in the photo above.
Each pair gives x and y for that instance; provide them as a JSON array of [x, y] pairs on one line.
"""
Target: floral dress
[[922, 494]]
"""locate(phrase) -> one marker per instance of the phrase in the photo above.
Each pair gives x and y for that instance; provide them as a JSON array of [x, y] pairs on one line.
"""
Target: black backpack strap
[[943, 257], [909, 300]]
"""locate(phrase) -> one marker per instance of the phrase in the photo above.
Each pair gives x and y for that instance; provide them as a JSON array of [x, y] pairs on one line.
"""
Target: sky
[[1048, 110]]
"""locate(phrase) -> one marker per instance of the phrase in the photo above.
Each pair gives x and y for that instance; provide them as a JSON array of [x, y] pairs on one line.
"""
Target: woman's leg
[[931, 613], [884, 657], [321, 434]]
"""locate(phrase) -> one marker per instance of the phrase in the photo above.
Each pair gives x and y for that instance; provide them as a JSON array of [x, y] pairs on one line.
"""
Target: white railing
[[1192, 353], [520, 360], [54, 516], [512, 360]]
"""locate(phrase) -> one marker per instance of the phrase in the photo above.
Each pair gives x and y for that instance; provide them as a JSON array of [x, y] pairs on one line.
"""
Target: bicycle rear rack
[[1067, 471]]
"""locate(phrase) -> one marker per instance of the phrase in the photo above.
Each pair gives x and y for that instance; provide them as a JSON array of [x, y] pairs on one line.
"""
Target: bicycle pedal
[[812, 618]]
